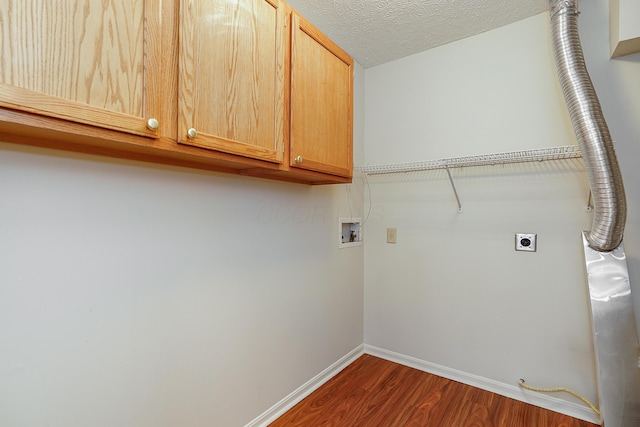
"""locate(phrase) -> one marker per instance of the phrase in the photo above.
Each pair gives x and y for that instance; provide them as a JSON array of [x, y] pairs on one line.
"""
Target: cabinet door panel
[[321, 102], [232, 76], [88, 61]]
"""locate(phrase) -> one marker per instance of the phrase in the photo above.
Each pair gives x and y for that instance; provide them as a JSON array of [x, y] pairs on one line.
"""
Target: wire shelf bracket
[[453, 186], [589, 207]]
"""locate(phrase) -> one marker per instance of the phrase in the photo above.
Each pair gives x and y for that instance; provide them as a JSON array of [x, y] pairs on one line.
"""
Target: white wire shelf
[[537, 155]]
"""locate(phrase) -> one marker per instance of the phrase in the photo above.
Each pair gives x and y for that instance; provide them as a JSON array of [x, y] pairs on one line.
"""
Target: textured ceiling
[[379, 31]]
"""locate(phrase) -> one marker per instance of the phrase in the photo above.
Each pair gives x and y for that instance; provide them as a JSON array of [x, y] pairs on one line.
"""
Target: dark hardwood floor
[[375, 392]]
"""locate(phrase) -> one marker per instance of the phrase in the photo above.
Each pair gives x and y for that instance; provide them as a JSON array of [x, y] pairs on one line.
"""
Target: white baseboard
[[545, 401], [306, 389]]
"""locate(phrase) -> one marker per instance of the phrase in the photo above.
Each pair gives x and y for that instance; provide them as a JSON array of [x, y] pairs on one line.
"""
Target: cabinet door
[[321, 102], [87, 61], [231, 77]]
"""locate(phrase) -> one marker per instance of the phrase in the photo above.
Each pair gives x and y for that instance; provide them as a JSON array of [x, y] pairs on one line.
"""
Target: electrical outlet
[[526, 242], [392, 235]]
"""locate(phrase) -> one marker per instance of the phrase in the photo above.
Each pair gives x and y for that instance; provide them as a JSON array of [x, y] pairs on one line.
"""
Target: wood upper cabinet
[[93, 62], [321, 127], [239, 86], [232, 77]]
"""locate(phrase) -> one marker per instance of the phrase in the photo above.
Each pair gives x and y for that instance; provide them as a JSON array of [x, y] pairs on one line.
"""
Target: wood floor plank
[[373, 392], [423, 401]]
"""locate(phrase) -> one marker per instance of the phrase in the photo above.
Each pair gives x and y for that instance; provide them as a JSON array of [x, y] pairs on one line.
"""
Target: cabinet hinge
[[285, 22]]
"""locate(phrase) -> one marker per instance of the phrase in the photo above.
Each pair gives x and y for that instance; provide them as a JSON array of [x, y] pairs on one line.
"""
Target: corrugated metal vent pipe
[[603, 172]]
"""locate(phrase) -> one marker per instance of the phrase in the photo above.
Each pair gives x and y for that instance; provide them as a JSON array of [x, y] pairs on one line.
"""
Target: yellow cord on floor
[[566, 390]]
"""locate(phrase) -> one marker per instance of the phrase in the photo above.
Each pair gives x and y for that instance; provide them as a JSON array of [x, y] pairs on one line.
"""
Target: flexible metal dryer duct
[[614, 328], [603, 172]]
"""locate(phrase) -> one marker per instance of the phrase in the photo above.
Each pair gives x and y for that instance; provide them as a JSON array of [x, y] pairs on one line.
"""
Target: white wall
[[453, 292], [141, 295]]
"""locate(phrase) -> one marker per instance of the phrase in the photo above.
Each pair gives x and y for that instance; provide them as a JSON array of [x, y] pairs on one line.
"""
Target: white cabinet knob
[[299, 159], [153, 124], [192, 133]]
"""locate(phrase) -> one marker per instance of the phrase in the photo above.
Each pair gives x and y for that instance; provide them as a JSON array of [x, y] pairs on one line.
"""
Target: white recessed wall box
[[349, 232]]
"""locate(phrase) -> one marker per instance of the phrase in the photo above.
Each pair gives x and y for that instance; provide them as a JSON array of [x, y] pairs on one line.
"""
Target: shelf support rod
[[589, 207], [453, 186]]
